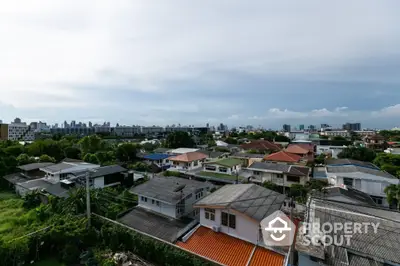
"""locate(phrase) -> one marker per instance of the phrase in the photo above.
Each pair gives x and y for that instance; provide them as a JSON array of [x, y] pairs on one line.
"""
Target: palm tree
[[393, 195]]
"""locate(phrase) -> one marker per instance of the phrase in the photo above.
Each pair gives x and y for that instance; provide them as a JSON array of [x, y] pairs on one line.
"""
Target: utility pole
[[88, 213], [291, 255]]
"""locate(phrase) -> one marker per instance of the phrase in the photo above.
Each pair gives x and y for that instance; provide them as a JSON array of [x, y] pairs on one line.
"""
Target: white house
[[279, 174], [329, 149], [362, 176], [188, 161], [171, 196], [180, 151], [229, 166]]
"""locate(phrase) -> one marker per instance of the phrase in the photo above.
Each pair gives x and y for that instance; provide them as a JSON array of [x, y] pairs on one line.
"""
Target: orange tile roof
[[261, 145], [228, 250], [189, 157], [283, 156], [293, 148], [264, 257]]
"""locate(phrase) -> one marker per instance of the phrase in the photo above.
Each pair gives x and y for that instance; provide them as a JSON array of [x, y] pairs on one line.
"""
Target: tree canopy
[[179, 139], [357, 153], [389, 163]]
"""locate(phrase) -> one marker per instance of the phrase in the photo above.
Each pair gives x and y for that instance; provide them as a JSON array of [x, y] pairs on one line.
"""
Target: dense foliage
[[389, 163], [358, 153], [179, 139]]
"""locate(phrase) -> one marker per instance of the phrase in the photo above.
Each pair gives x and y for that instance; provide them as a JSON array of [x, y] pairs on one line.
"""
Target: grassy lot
[[217, 175], [4, 195], [49, 262]]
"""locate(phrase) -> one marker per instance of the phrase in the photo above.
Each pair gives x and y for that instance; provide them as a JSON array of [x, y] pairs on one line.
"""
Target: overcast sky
[[192, 62]]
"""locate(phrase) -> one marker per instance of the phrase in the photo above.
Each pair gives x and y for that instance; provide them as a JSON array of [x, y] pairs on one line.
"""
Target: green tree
[[393, 195], [389, 163], [179, 139], [14, 150], [338, 138], [72, 152], [106, 157], [230, 140], [91, 158], [126, 152], [46, 159], [139, 166], [25, 159], [320, 159], [281, 138], [358, 153], [92, 144]]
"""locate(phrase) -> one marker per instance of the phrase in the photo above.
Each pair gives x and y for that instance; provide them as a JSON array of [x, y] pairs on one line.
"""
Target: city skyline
[[148, 63]]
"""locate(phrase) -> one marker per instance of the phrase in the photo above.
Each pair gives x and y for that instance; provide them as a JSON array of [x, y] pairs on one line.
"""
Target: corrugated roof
[[260, 145], [107, 170], [156, 156], [284, 168], [296, 149], [58, 167], [189, 157], [357, 169], [283, 156], [34, 166], [341, 162], [229, 250], [250, 199], [248, 155]]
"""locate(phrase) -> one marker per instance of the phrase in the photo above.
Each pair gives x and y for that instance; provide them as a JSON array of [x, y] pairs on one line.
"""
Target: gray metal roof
[[359, 169], [348, 192], [161, 150], [35, 184], [58, 191], [350, 162], [107, 170], [252, 200], [15, 178], [213, 154], [163, 227], [384, 245], [34, 166], [58, 167], [284, 168], [162, 188]]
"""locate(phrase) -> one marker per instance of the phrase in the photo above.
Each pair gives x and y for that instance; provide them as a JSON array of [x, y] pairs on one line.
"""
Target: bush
[[172, 173]]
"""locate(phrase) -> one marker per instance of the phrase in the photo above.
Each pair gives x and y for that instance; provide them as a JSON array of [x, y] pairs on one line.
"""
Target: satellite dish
[[179, 188]]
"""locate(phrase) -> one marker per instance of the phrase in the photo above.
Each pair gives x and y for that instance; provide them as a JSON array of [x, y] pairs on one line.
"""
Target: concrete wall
[[162, 207], [99, 182], [246, 229], [273, 177], [186, 166], [230, 170]]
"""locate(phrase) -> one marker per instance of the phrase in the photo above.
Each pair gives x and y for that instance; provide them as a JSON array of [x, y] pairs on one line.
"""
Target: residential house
[[376, 142], [229, 166], [165, 206], [305, 150], [366, 247], [55, 173], [214, 155], [162, 150], [180, 151], [363, 176], [283, 157], [248, 158], [280, 174], [344, 194], [261, 146], [229, 231], [188, 161], [158, 159], [330, 150]]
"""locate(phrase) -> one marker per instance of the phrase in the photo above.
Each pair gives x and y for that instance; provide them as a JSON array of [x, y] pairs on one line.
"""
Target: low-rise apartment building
[[20, 131], [229, 166]]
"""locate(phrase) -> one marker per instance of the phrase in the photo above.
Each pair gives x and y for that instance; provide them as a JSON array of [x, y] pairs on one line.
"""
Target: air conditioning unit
[[216, 228]]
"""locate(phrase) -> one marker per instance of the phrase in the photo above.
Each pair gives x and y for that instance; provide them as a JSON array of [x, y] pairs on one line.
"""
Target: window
[[279, 175], [143, 199], [199, 195], [158, 203], [257, 172], [153, 201], [210, 168], [228, 220], [294, 179], [223, 169], [348, 181], [209, 214], [377, 200], [195, 163]]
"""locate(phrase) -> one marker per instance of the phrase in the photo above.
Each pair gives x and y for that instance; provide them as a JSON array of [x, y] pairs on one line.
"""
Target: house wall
[[99, 182], [230, 170], [304, 260], [246, 229], [369, 186], [187, 166], [162, 208], [21, 190], [273, 177]]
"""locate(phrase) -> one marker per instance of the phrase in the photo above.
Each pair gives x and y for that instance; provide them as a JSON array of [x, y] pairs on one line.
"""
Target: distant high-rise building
[[73, 123], [90, 124], [56, 125], [311, 127], [66, 124], [286, 128], [17, 120], [323, 126], [352, 126], [301, 127]]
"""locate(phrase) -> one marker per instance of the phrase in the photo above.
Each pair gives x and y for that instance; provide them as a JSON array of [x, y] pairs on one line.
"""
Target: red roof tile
[[283, 156], [261, 145], [228, 250], [189, 157], [296, 149]]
